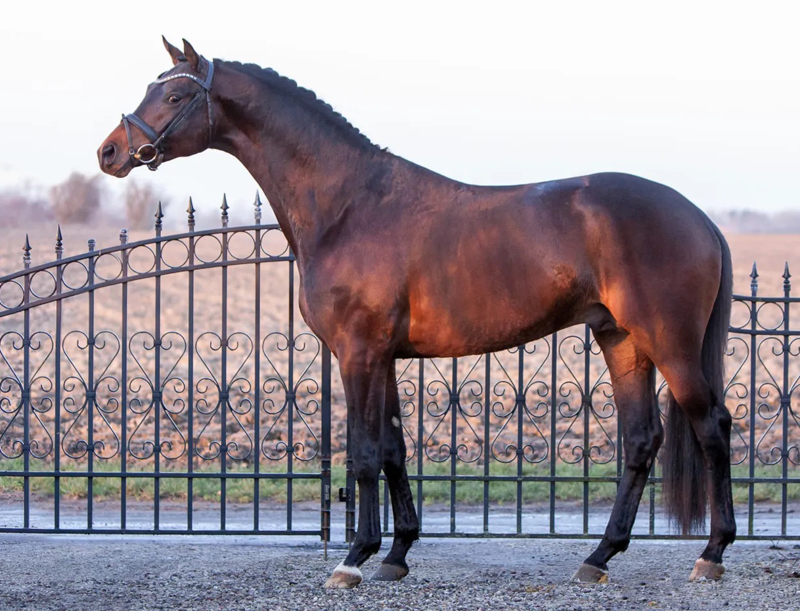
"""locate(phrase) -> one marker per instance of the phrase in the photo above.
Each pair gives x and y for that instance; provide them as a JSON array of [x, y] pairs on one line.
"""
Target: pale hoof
[[344, 577], [389, 572], [705, 570], [590, 574]]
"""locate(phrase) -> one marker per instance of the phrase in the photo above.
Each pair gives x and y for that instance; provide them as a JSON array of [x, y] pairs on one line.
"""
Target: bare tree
[[140, 201], [20, 206], [77, 199]]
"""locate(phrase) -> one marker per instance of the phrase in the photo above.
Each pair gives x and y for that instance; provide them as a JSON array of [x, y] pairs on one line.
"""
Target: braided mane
[[303, 96]]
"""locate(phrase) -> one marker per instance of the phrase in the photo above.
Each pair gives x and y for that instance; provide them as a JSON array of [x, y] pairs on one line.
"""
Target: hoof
[[590, 574], [389, 572], [705, 570], [344, 577]]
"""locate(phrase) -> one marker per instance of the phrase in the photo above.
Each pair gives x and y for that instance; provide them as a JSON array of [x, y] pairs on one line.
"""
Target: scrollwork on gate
[[289, 400], [530, 406], [90, 397]]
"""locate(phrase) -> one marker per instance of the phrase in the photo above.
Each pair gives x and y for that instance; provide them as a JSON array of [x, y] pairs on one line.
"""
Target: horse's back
[[508, 265]]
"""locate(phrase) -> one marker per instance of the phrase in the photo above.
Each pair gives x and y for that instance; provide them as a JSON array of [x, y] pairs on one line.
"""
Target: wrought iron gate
[[167, 385]]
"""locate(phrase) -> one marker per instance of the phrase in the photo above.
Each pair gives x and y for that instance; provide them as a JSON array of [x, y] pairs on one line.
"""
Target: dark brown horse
[[398, 261]]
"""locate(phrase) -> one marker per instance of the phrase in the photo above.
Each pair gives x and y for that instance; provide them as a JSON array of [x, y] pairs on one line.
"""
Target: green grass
[[170, 488], [438, 491]]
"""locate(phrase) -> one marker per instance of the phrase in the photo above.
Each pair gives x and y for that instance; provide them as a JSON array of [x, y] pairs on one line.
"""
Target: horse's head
[[175, 118]]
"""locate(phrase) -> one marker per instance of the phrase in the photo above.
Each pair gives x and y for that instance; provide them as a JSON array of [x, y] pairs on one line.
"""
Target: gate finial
[[257, 206], [190, 211], [59, 243], [159, 215], [26, 253], [754, 280], [224, 208], [787, 285]]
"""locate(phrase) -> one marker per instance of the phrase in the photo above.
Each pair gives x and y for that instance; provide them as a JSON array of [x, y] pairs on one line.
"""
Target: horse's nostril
[[109, 152]]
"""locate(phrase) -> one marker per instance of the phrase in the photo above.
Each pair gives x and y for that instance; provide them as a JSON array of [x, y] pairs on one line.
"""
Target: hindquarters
[[666, 280]]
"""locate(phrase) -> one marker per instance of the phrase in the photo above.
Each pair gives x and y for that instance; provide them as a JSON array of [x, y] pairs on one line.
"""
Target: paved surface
[[144, 573], [306, 516], [100, 572]]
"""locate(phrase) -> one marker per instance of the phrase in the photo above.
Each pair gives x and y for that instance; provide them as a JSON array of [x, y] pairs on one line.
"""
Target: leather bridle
[[155, 145]]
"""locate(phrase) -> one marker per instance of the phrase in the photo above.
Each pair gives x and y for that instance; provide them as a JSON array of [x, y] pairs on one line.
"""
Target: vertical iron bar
[[652, 516], [455, 401], [487, 453], [326, 449], [157, 389], [223, 380], [350, 496], [553, 414], [90, 393], [520, 401], [190, 374], [123, 489], [386, 507], [290, 403], [57, 444], [786, 400], [420, 437], [587, 402], [753, 348], [26, 395], [257, 379], [90, 389]]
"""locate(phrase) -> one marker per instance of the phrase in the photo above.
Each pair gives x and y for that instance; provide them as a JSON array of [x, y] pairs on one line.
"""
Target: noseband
[[151, 153]]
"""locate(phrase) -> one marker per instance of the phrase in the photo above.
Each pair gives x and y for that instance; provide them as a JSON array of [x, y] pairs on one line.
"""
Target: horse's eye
[[174, 98]]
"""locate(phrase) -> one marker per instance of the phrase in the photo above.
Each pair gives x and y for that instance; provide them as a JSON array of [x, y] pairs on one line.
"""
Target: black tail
[[684, 472]]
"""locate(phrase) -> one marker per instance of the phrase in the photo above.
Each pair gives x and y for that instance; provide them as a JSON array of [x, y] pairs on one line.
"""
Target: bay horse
[[397, 261]]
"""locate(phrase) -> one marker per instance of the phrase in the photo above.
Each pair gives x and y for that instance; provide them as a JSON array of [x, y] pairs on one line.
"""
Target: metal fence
[[168, 386]]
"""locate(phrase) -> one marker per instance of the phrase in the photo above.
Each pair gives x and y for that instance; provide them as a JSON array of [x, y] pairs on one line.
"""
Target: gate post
[[350, 495], [325, 498]]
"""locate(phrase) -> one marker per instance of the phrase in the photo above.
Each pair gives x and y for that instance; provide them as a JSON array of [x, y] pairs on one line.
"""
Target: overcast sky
[[701, 96]]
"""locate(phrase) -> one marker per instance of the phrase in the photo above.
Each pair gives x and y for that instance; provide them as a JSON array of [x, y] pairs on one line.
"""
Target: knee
[[367, 459]]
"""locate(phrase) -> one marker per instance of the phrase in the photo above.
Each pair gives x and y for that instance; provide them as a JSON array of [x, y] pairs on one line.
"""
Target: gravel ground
[[44, 573]]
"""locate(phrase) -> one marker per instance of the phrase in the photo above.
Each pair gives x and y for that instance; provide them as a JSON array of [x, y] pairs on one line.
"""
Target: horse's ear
[[191, 55], [174, 52]]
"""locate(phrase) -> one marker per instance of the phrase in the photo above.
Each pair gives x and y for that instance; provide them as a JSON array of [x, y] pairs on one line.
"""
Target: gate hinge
[[344, 495]]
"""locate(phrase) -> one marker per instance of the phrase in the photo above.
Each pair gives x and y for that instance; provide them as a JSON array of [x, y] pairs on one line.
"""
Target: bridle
[[155, 145]]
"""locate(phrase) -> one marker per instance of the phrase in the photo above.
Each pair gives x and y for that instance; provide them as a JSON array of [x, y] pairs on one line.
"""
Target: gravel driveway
[[44, 573]]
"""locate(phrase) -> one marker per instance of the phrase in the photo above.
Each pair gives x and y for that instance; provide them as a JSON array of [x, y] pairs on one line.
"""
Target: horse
[[397, 261]]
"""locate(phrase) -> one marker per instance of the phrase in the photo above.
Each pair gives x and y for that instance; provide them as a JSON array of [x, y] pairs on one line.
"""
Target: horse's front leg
[[364, 371]]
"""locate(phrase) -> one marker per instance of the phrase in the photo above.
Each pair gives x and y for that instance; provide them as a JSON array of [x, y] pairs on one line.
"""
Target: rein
[[156, 141]]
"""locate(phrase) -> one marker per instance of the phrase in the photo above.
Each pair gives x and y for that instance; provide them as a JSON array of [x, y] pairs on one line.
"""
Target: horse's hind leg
[[711, 423], [406, 524], [633, 379]]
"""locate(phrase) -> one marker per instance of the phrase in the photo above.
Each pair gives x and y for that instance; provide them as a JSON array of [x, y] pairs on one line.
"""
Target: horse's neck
[[309, 171]]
